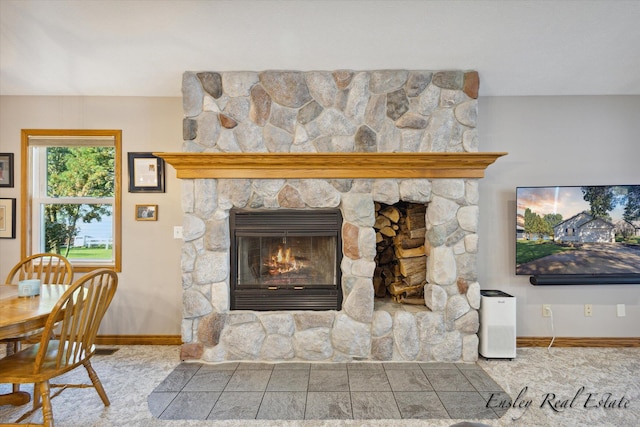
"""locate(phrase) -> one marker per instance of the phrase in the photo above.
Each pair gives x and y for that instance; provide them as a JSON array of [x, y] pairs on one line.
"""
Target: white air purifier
[[497, 332]]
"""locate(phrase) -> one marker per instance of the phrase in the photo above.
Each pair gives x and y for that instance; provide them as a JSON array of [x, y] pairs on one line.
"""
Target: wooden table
[[19, 315]]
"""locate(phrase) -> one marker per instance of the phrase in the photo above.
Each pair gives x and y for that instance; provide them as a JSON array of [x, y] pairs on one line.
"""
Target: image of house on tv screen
[[590, 230]]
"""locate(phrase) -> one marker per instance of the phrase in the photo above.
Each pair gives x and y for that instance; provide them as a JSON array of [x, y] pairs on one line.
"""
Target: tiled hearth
[[388, 111]]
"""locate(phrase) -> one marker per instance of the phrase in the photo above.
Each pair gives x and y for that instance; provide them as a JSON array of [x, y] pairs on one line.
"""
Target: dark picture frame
[[146, 173], [6, 169], [146, 212], [7, 218]]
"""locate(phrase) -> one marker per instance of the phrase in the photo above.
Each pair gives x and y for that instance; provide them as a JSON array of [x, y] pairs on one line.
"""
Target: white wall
[[149, 296], [550, 140], [580, 140]]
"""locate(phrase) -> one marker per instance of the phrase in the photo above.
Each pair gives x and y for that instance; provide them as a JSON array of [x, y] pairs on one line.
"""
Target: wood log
[[388, 231], [379, 237], [417, 233], [387, 256], [381, 222], [392, 213], [409, 253], [415, 217], [416, 278], [410, 300], [397, 288], [403, 241], [379, 287], [409, 266]]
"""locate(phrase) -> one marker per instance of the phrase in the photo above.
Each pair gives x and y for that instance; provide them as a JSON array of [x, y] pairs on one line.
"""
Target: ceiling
[[141, 48]]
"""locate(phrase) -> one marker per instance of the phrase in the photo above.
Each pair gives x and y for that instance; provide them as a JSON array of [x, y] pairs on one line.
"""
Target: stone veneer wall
[[340, 111]]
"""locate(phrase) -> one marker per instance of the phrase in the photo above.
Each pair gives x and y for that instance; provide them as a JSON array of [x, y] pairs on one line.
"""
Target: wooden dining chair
[[77, 315], [50, 268]]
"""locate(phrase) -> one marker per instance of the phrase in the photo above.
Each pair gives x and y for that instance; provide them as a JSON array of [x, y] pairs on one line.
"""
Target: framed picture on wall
[[6, 169], [7, 218], [146, 173], [146, 212]]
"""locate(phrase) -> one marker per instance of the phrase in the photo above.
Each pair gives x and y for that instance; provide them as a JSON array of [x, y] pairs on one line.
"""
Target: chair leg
[[47, 411], [96, 383], [36, 395], [12, 348]]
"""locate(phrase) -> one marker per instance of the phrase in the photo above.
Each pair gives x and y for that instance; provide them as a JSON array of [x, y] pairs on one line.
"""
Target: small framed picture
[[146, 212], [146, 173], [7, 218], [6, 169]]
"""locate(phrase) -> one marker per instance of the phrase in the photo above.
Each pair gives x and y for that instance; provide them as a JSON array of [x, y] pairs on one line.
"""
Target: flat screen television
[[578, 234]]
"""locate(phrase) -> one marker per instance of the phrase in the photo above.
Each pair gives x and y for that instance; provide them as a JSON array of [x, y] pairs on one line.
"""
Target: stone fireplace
[[342, 140]]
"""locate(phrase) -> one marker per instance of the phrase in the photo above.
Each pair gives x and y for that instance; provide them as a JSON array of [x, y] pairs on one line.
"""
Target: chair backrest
[[51, 269], [76, 318]]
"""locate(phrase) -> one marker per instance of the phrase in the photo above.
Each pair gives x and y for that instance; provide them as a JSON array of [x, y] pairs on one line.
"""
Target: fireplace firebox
[[285, 259]]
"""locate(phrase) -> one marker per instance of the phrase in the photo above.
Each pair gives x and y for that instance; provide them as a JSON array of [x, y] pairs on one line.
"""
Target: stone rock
[[350, 240], [468, 218], [206, 197], [451, 98], [186, 330], [211, 267], [412, 121], [351, 337], [358, 97], [456, 307], [473, 295], [187, 258], [277, 347], [322, 87], [438, 235], [211, 83], [448, 79], [471, 243], [467, 113], [238, 109], [188, 200], [452, 189], [397, 104], [194, 304], [381, 323], [289, 197], [359, 209], [249, 137], [334, 144], [415, 190], [440, 129], [238, 84], [192, 94], [367, 243], [468, 323], [466, 266], [210, 104], [318, 193], [214, 354], [330, 122], [313, 319], [470, 140], [363, 268], [405, 334], [260, 106], [417, 82], [208, 129], [389, 138], [342, 78], [192, 227], [244, 339], [428, 101], [441, 266], [287, 88], [359, 304], [283, 118], [278, 323], [441, 210], [227, 122], [435, 297], [382, 348], [470, 348], [191, 351], [238, 317], [217, 235], [220, 297], [386, 191], [450, 349], [210, 327], [472, 195], [374, 114], [365, 140], [233, 193], [471, 84], [268, 187], [277, 140], [382, 81], [309, 112], [431, 327], [313, 344], [189, 129]]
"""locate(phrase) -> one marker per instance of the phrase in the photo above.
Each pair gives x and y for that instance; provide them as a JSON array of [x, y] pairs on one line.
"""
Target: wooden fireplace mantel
[[329, 165]]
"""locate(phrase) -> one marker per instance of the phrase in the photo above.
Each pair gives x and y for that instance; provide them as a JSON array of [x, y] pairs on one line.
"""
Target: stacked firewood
[[401, 262]]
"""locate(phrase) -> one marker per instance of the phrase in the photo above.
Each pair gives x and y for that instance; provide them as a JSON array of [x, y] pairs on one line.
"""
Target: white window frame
[[34, 143]]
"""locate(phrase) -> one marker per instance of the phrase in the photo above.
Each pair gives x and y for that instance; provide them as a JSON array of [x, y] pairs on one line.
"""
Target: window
[[71, 195]]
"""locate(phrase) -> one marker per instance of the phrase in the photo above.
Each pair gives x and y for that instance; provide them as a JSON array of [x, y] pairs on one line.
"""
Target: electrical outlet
[[620, 308], [588, 310], [177, 232], [546, 310]]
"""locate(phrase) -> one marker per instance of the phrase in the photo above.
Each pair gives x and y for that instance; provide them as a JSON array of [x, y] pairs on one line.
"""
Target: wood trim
[[578, 342], [329, 165], [138, 340]]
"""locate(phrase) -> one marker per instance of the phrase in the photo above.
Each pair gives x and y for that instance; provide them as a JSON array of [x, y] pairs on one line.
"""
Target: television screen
[[578, 230]]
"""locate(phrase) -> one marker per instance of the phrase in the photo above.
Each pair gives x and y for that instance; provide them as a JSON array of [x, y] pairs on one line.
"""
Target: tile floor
[[322, 391]]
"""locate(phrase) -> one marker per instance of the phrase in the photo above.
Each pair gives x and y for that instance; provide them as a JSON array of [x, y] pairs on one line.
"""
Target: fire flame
[[284, 262]]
